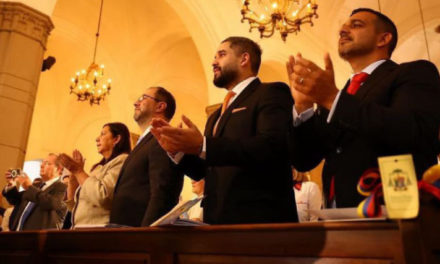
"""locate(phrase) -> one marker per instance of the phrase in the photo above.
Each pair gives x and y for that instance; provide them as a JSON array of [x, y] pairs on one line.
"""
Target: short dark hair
[[242, 45], [123, 146], [163, 95], [384, 24]]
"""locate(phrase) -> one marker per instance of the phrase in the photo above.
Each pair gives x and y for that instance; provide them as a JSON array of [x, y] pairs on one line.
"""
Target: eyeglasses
[[145, 96]]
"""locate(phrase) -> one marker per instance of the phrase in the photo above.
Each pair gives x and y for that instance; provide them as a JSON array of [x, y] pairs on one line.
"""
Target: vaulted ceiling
[[171, 43]]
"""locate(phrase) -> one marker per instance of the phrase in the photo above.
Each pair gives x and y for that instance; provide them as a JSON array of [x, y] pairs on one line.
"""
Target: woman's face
[[105, 142]]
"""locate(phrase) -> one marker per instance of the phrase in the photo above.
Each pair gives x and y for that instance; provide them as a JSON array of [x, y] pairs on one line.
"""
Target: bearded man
[[243, 155]]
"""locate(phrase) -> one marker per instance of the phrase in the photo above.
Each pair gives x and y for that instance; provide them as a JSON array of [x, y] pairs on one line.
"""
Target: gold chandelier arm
[[280, 19]]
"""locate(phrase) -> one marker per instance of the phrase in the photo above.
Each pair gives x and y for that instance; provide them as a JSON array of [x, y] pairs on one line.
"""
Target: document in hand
[[172, 217]]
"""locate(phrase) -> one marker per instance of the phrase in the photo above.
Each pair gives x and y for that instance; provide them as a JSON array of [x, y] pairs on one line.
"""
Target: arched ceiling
[[211, 21], [171, 43], [208, 22], [138, 51]]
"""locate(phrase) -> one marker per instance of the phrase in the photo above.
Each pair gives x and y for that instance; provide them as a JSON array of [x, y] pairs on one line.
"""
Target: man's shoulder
[[272, 88], [276, 85], [58, 185], [419, 65]]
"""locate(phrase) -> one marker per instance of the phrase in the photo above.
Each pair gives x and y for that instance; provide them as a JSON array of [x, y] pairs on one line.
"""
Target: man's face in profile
[[358, 35], [47, 168], [225, 65]]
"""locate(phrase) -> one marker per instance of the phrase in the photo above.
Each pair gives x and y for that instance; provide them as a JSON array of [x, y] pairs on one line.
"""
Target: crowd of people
[[242, 164]]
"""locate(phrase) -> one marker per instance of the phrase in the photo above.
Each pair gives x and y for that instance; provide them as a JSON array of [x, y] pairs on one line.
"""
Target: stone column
[[23, 36]]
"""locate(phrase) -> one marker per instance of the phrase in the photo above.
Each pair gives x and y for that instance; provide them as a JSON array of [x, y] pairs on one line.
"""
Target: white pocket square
[[235, 110]]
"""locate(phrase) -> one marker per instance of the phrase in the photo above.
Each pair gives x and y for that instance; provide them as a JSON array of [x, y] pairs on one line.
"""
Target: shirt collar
[[370, 68], [50, 182], [144, 134], [241, 86]]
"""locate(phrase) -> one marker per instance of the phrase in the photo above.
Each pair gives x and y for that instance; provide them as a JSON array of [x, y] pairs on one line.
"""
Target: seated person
[[38, 206], [90, 196], [195, 213], [6, 218], [308, 196]]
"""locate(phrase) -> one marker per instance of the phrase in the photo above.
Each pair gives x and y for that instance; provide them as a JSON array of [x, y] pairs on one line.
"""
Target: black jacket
[[247, 172], [396, 111]]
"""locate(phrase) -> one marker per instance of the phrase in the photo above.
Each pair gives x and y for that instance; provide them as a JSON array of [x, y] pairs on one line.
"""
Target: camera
[[15, 173]]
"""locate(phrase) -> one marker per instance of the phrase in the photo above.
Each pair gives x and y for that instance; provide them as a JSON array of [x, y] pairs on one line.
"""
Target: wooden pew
[[407, 241]]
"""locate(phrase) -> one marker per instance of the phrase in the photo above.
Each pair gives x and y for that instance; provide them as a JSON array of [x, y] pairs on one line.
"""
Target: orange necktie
[[225, 105], [226, 101], [356, 82]]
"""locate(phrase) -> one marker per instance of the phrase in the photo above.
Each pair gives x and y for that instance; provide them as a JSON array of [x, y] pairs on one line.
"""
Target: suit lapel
[[377, 76], [243, 95], [144, 141], [212, 119]]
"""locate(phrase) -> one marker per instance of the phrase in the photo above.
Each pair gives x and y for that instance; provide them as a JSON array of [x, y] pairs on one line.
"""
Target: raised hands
[[24, 180], [310, 84], [8, 177], [75, 164], [187, 139]]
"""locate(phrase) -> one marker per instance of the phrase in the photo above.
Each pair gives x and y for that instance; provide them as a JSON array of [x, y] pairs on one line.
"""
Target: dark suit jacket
[[49, 210], [148, 186], [247, 172], [396, 111]]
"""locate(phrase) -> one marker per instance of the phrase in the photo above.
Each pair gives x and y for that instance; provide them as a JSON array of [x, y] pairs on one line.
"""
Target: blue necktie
[[29, 207]]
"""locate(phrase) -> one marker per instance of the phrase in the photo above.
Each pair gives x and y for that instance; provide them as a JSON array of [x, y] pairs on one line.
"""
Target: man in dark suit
[[39, 206], [243, 155], [384, 109], [149, 183]]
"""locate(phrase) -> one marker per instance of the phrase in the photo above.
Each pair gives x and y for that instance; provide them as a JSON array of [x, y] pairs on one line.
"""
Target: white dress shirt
[[304, 116], [309, 197]]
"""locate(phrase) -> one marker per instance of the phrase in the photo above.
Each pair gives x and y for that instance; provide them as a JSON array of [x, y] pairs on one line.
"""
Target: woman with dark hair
[[89, 196]]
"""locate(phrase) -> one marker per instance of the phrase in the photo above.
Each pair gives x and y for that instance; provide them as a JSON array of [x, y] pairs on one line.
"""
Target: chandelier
[[90, 85], [286, 16]]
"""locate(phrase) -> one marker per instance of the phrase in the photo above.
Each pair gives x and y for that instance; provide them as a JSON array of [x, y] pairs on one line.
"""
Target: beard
[[351, 50], [227, 75]]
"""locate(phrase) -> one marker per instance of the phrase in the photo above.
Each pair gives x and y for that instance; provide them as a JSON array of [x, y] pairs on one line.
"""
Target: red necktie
[[331, 193], [356, 82]]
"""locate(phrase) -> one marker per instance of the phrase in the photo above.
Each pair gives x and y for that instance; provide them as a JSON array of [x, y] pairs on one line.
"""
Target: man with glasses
[[149, 183], [40, 205]]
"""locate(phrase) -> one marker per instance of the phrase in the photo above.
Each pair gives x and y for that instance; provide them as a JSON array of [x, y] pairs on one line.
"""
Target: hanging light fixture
[[90, 85], [286, 16]]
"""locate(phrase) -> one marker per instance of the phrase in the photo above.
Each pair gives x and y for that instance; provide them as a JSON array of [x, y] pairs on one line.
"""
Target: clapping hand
[[310, 84], [75, 164], [187, 139]]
